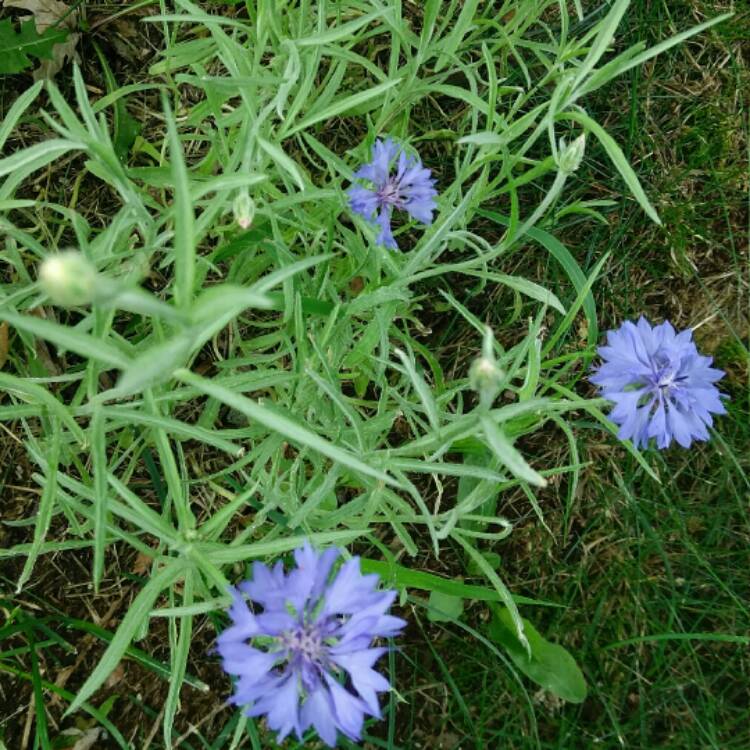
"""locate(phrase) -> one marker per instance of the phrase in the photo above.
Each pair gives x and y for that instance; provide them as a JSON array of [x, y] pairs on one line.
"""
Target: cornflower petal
[[245, 624], [366, 680], [385, 236], [318, 712], [363, 201], [350, 591], [348, 709], [281, 708], [248, 689]]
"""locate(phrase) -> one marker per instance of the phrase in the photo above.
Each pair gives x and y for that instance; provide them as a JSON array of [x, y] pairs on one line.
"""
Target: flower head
[[311, 658], [410, 188], [661, 386]]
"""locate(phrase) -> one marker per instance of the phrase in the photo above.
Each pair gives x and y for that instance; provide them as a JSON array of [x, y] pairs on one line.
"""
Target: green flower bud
[[243, 209], [68, 278], [485, 377], [570, 155]]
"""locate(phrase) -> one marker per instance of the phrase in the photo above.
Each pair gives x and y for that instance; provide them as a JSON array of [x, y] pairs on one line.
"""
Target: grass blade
[[131, 623], [569, 264]]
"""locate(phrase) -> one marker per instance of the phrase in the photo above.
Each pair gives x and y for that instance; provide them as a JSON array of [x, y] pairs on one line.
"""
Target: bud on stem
[[571, 154], [243, 209], [485, 377], [68, 278]]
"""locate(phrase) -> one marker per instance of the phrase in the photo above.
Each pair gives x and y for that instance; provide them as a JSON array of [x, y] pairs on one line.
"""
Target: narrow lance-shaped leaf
[[184, 239], [422, 389], [635, 56], [496, 581], [68, 338], [41, 398], [282, 425], [179, 659], [37, 156], [99, 458], [618, 159], [286, 163], [508, 454], [46, 507], [603, 39], [17, 109], [344, 105], [404, 577]]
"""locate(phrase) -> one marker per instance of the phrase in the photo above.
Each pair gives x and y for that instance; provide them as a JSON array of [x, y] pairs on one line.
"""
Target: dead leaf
[[142, 564], [40, 346], [117, 674], [85, 740], [47, 13], [61, 680], [3, 344]]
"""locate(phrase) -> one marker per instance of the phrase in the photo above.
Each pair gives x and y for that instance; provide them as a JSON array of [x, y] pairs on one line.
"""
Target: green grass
[[654, 576], [153, 486]]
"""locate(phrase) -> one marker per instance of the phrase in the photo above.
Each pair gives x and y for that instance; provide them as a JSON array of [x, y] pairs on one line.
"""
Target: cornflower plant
[[236, 304]]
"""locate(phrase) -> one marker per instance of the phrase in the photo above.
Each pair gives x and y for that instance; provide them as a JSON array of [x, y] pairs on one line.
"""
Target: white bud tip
[[68, 278]]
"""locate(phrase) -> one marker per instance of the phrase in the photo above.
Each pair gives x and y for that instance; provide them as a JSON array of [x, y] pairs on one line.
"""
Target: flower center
[[665, 380], [305, 642], [389, 193], [665, 374]]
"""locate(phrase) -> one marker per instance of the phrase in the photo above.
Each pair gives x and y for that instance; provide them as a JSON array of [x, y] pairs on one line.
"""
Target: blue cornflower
[[410, 189], [661, 387], [311, 660]]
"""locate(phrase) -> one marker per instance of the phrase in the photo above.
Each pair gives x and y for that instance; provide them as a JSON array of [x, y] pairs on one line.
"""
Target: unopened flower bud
[[485, 376], [243, 209], [68, 278], [571, 154]]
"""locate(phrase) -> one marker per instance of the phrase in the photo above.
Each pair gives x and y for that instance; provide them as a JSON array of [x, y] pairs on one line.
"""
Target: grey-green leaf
[[283, 425], [508, 454], [618, 159]]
